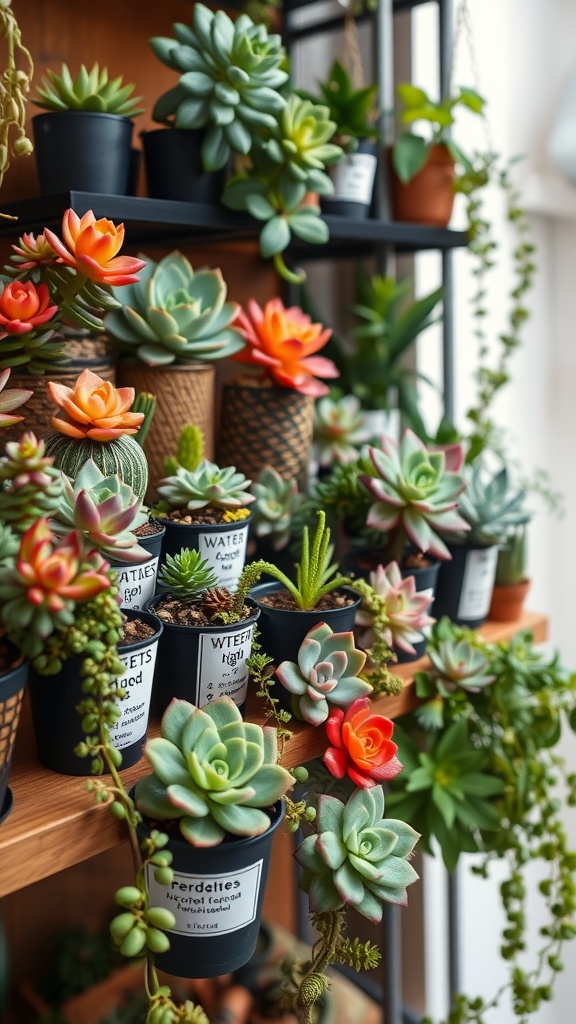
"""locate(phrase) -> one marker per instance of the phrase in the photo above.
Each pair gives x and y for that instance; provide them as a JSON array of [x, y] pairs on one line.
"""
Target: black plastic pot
[[174, 169], [12, 685], [82, 150], [199, 663], [353, 178], [223, 545], [216, 896], [465, 584], [283, 630], [58, 726], [138, 582]]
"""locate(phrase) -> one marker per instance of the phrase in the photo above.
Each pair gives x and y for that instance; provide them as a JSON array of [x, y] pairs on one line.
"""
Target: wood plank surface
[[55, 823]]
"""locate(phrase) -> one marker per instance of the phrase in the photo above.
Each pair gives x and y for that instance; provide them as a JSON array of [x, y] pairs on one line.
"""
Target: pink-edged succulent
[[416, 493], [404, 610], [326, 673], [10, 400]]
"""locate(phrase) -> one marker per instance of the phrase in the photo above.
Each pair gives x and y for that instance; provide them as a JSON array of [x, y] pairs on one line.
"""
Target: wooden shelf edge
[[55, 823]]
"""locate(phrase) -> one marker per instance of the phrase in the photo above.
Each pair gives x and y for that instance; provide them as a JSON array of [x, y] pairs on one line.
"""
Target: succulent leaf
[[90, 90], [206, 485]]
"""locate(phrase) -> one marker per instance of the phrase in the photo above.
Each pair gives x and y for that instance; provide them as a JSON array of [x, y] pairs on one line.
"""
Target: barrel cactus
[[327, 672], [206, 485], [230, 76], [175, 314], [357, 857], [213, 773]]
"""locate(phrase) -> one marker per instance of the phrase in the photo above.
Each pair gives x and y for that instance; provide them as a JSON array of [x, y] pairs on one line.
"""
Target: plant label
[[353, 178], [226, 553], [137, 684], [208, 904], [137, 583], [478, 583], [222, 669]]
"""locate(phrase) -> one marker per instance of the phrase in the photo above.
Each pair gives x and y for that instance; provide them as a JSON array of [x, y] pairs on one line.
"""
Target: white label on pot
[[137, 583], [137, 683], [222, 669], [478, 583], [226, 553], [353, 178], [208, 904]]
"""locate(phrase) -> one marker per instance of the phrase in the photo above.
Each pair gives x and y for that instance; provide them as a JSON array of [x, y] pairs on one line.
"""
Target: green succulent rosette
[[357, 858]]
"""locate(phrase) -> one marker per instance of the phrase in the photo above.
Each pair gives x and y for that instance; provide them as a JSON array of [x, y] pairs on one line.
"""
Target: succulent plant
[[404, 609], [30, 486], [357, 858], [10, 400], [416, 492], [512, 558], [175, 314], [326, 673], [230, 74], [276, 502], [189, 451], [339, 430], [491, 506], [354, 111], [186, 575], [90, 90], [458, 664], [213, 773], [361, 745], [105, 510], [206, 485], [300, 143]]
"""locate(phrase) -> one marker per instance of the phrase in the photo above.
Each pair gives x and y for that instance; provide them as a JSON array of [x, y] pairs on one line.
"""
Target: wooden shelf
[[55, 823]]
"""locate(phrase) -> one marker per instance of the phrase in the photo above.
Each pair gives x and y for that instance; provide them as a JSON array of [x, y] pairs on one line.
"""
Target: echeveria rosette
[[49, 577], [277, 501], [175, 314], [231, 76], [105, 510], [91, 248], [491, 506], [339, 430], [283, 342], [358, 858], [213, 773], [326, 673], [416, 491], [361, 745], [458, 665], [28, 320], [11, 399], [30, 486], [404, 609], [94, 409], [193, 489]]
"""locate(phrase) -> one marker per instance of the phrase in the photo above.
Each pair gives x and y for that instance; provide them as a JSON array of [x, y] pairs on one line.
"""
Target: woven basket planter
[[265, 426], [85, 353], [184, 394]]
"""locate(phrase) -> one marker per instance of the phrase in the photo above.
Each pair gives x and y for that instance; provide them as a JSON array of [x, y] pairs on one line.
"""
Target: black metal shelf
[[165, 221]]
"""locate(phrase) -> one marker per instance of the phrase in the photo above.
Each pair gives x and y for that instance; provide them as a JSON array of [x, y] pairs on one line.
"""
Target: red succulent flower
[[54, 573], [24, 306], [91, 249], [362, 745]]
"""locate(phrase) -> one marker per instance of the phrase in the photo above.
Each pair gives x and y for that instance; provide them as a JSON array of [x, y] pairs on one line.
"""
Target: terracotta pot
[[508, 601], [184, 394], [428, 198]]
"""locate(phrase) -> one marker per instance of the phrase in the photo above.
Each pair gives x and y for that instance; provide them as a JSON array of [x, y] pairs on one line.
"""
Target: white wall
[[525, 51]]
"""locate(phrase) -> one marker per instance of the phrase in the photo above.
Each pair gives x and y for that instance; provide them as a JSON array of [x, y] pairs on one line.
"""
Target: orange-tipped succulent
[[11, 400], [283, 342], [52, 574], [91, 248], [24, 306], [94, 409]]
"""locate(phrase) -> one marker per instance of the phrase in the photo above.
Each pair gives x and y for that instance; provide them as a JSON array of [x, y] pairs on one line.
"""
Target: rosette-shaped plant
[[300, 143], [491, 506], [48, 578], [213, 773], [206, 485], [358, 858], [90, 90], [339, 430], [186, 575], [404, 610], [416, 492], [175, 314], [231, 72], [91, 248], [458, 665], [28, 320], [24, 307], [327, 672], [30, 486], [105, 510], [283, 342], [276, 502], [11, 399], [361, 745]]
